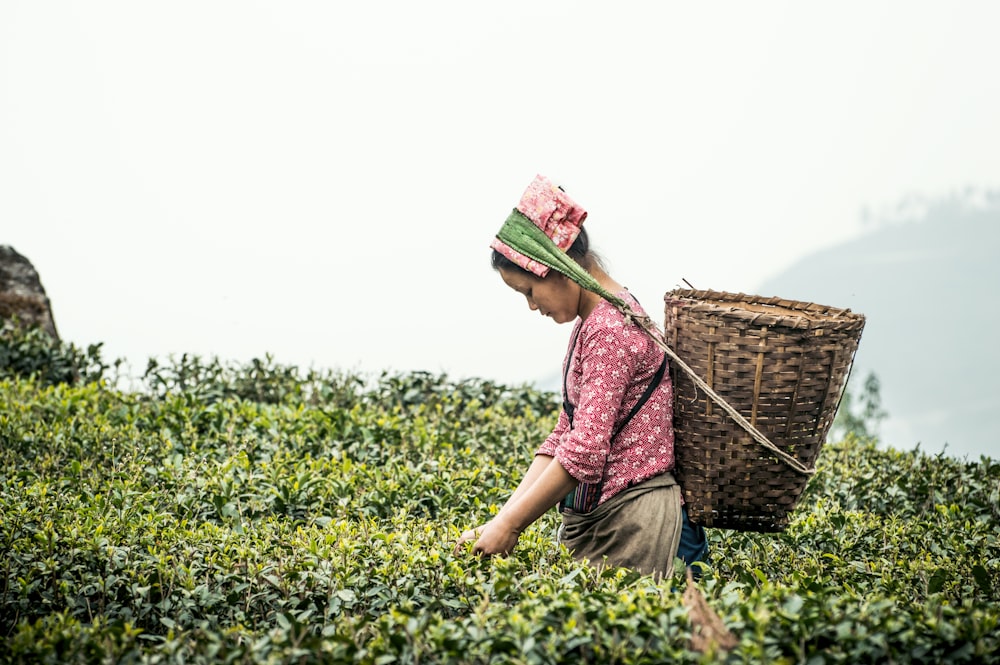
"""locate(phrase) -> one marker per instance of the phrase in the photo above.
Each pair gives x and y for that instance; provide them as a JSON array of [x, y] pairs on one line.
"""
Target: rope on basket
[[521, 234]]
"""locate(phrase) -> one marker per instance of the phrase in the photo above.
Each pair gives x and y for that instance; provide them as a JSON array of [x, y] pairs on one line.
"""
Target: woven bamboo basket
[[782, 365]]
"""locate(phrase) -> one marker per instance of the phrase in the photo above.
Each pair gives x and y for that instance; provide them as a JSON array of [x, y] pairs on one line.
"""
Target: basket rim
[[775, 310]]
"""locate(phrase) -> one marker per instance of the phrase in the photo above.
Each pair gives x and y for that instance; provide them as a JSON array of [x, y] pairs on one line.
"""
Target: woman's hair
[[579, 251]]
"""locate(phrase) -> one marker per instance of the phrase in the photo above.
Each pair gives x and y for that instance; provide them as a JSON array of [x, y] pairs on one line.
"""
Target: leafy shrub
[[267, 382], [257, 514], [261, 380], [31, 352]]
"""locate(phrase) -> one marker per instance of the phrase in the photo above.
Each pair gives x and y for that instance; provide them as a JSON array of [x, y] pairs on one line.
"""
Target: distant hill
[[928, 288]]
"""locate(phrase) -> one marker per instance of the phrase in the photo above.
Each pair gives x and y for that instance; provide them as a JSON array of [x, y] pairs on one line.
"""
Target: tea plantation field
[[259, 514]]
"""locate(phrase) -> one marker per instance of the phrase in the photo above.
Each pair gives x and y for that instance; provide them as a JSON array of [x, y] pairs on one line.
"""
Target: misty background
[[320, 181], [926, 282]]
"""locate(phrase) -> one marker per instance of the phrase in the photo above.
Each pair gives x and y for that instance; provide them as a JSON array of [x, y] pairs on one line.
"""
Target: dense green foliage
[[31, 352], [253, 514]]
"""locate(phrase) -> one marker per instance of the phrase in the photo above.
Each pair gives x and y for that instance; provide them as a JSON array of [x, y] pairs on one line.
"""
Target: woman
[[608, 461]]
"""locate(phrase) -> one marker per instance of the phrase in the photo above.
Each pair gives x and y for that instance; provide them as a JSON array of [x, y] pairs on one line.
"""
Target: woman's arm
[[534, 472], [501, 533], [538, 466]]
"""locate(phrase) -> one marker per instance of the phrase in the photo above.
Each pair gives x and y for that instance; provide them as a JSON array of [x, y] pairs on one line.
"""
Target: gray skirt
[[639, 528]]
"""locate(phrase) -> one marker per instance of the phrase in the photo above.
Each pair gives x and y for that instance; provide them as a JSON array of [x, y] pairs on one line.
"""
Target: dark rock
[[22, 295]]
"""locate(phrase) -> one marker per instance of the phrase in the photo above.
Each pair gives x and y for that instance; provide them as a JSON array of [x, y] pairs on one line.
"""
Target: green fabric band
[[522, 235]]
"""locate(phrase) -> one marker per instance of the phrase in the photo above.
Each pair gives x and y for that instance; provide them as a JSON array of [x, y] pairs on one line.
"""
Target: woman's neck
[[588, 299]]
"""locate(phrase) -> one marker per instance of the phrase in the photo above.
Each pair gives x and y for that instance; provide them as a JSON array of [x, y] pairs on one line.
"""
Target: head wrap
[[540, 229], [550, 209]]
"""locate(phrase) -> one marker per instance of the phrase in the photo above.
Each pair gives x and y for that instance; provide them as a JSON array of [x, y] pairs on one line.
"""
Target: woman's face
[[555, 296]]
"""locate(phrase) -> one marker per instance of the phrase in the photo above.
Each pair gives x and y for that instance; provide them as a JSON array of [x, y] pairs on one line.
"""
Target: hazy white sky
[[321, 180]]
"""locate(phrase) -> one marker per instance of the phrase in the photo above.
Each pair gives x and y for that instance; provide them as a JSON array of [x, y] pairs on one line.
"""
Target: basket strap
[[647, 324]]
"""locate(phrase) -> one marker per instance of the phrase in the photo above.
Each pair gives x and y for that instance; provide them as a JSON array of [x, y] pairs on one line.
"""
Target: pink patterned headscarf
[[551, 210]]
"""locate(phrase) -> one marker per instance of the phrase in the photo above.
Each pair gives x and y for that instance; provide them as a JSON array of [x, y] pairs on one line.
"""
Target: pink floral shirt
[[610, 367]]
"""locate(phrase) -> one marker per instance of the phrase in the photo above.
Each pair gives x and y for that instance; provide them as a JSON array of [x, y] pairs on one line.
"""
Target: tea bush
[[246, 514], [30, 351]]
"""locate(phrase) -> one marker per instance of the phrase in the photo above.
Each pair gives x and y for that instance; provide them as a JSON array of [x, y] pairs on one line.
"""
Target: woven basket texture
[[783, 366]]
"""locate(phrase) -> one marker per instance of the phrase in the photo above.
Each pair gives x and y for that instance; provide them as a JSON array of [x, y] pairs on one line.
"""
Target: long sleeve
[[551, 442]]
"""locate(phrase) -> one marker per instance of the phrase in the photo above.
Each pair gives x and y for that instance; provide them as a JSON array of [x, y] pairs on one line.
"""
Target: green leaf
[[982, 577], [937, 581]]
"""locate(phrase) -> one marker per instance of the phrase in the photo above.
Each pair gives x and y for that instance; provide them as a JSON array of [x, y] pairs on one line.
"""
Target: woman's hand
[[545, 483], [470, 535], [498, 536]]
